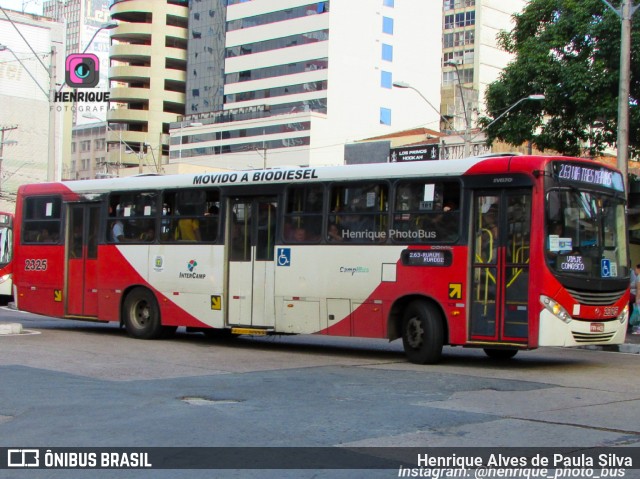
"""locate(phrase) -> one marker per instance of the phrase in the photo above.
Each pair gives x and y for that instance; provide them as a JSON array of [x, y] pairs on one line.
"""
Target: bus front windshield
[[5, 246], [586, 234]]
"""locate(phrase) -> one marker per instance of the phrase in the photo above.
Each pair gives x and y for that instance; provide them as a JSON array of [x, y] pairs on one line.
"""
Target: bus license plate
[[597, 327]]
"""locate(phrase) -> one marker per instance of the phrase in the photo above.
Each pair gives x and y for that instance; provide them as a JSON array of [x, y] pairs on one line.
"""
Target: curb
[[10, 328], [628, 348]]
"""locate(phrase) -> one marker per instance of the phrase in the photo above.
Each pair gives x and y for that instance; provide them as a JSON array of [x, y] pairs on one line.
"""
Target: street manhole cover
[[206, 401]]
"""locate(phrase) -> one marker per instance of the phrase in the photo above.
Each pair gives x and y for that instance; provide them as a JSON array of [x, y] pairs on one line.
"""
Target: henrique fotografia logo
[[82, 70]]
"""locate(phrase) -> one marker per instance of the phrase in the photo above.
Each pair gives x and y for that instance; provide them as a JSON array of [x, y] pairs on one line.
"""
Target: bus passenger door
[[82, 255], [500, 267], [251, 228]]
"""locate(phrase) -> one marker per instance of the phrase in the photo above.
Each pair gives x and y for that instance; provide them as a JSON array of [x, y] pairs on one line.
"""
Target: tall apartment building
[[147, 74], [290, 82], [469, 40]]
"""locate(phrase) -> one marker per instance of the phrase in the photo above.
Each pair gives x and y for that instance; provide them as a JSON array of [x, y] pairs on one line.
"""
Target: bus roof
[[498, 164]]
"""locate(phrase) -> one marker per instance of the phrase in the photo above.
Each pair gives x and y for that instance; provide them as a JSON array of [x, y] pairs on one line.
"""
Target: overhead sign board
[[416, 153]]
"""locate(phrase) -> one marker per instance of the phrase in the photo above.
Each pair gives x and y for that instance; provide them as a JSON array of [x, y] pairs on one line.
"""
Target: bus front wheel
[[422, 333], [142, 315]]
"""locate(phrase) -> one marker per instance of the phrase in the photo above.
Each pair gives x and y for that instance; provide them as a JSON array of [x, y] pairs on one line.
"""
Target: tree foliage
[[569, 50]]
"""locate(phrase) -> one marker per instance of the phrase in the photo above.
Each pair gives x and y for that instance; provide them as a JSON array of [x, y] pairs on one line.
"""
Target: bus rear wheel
[[422, 333], [501, 354], [142, 315]]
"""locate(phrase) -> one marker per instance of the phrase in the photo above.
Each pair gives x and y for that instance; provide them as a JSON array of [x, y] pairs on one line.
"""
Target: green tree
[[569, 50]]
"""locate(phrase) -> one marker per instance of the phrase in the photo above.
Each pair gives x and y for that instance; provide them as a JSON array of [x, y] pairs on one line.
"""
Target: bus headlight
[[555, 308], [624, 315], [5, 278]]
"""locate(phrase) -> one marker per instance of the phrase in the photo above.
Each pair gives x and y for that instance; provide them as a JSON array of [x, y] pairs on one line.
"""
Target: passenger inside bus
[[188, 228], [148, 234], [117, 232], [299, 235], [333, 234]]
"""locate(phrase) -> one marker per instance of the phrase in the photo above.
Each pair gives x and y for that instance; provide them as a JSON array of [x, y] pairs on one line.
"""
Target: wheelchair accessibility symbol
[[607, 269], [284, 256]]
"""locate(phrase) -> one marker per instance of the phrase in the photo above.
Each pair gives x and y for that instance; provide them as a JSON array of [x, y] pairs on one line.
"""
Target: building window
[[448, 22], [460, 57], [388, 3], [450, 78], [458, 39], [387, 52], [470, 18], [387, 25], [385, 116], [385, 79]]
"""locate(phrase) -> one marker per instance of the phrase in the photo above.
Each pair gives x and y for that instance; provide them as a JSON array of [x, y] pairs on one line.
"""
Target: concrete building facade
[[30, 64], [147, 74], [291, 82], [471, 58]]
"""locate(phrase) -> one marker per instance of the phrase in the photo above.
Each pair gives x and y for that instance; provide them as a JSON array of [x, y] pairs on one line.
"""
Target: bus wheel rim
[[141, 314], [415, 332]]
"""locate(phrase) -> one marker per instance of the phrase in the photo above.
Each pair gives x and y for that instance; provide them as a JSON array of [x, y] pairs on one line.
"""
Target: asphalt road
[[77, 384]]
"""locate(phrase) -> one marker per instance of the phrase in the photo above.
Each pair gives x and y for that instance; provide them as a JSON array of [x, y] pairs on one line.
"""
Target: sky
[[30, 6]]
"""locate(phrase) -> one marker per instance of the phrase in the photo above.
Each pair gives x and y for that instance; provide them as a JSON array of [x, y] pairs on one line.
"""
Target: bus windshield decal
[[597, 176]]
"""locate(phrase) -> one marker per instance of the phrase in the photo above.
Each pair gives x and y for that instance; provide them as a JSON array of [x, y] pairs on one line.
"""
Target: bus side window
[[191, 215], [426, 211], [303, 214], [42, 219], [359, 213], [132, 217]]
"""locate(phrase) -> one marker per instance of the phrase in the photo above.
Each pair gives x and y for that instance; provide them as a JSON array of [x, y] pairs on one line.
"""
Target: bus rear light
[[555, 308]]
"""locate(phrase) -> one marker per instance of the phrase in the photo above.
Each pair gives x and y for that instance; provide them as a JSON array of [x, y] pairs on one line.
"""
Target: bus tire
[[142, 315], [500, 354], [422, 333]]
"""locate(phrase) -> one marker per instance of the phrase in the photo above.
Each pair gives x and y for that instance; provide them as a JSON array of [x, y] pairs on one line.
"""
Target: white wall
[[493, 17], [24, 104], [355, 65]]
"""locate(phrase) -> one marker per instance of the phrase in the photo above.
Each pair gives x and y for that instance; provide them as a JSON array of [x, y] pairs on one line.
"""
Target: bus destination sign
[[590, 175], [426, 257]]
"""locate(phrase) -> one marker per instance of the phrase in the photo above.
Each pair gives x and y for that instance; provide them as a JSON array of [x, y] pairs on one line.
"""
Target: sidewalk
[[631, 345]]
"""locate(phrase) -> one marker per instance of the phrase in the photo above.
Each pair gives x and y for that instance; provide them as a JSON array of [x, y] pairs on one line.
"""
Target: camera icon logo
[[82, 70]]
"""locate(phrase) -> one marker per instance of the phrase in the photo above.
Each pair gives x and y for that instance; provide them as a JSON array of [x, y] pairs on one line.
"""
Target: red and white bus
[[6, 256], [503, 253]]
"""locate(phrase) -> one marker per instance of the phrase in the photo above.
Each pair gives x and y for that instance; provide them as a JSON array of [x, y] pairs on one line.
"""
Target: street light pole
[[535, 97], [105, 26], [51, 164], [401, 84], [467, 125]]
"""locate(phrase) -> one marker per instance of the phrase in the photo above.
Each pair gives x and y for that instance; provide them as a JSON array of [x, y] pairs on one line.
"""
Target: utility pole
[[625, 12], [467, 122], [51, 164], [3, 129]]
